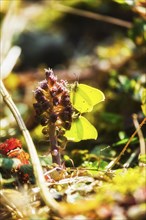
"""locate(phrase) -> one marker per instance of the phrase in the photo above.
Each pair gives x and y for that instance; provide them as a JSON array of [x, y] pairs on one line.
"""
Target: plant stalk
[[54, 145], [92, 15]]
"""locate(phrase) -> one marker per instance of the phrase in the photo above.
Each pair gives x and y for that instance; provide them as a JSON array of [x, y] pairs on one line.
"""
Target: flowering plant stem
[[38, 172], [54, 145], [53, 110]]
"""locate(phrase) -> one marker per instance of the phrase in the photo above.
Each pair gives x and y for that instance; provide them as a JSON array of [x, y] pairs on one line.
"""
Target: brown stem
[[95, 16], [140, 135], [54, 145]]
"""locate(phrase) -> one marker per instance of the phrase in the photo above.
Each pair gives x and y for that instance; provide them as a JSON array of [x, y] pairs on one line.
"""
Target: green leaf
[[143, 100], [9, 163], [124, 141], [124, 2], [144, 109], [142, 158], [143, 96], [81, 129], [45, 160], [84, 97], [6, 181], [102, 165]]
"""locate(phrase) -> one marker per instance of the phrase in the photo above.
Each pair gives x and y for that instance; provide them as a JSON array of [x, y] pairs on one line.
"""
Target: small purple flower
[[53, 102]]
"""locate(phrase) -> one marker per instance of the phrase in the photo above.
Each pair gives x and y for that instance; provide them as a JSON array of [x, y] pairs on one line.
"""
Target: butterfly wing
[[84, 97], [81, 129]]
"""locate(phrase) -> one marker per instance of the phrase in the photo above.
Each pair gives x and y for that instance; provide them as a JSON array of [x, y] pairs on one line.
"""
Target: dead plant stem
[[92, 15], [140, 135]]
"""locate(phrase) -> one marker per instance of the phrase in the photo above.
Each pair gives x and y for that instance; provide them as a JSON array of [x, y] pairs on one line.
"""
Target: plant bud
[[38, 94], [65, 116], [65, 99], [44, 85], [45, 130], [49, 73], [60, 90], [67, 125], [44, 121], [46, 105], [69, 109], [54, 152], [53, 117], [55, 101], [53, 92], [51, 79], [38, 108]]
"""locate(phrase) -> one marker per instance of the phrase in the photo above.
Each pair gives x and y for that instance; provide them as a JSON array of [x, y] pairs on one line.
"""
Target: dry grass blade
[[140, 135], [92, 15], [10, 205]]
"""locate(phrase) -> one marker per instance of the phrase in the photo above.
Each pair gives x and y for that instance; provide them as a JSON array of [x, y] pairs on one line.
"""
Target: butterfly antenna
[[75, 85], [76, 77]]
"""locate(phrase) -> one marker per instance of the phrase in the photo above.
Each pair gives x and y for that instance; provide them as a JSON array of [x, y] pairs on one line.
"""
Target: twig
[[114, 162], [140, 135], [10, 206], [92, 15], [131, 158], [141, 139]]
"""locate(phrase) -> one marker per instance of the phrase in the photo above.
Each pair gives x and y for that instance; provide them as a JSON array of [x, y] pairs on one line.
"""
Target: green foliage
[[124, 141], [45, 160], [125, 2], [104, 151], [143, 100], [9, 163], [92, 167], [138, 33], [125, 84], [142, 158], [111, 118], [4, 182], [128, 181]]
